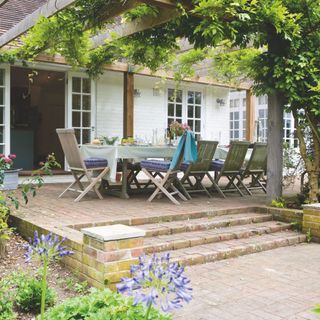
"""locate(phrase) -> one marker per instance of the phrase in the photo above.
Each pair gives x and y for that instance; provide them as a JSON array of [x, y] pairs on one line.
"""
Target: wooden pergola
[[168, 12]]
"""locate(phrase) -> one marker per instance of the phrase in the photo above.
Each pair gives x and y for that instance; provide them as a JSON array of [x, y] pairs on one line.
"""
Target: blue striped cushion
[[155, 165], [216, 165], [94, 162], [184, 166]]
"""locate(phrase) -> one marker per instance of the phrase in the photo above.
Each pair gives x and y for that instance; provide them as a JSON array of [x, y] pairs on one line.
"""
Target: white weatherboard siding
[[110, 104], [150, 111], [216, 119]]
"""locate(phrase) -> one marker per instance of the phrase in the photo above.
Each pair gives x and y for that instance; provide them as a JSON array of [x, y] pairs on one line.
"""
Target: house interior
[[37, 109]]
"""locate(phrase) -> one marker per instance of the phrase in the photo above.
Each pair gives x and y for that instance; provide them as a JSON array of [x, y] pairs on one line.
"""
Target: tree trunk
[[275, 147], [314, 186]]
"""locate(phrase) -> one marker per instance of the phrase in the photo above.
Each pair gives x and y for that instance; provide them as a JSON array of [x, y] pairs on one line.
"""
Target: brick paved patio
[[47, 210], [281, 284]]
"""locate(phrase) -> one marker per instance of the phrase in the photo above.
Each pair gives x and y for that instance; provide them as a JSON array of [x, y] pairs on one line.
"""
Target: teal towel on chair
[[187, 145]]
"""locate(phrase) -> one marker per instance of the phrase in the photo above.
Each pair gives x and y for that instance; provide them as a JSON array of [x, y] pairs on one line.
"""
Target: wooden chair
[[94, 169], [199, 169], [231, 169], [256, 167], [167, 171]]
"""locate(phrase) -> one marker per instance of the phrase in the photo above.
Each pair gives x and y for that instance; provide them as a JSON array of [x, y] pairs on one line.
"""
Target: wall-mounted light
[[221, 102], [137, 93]]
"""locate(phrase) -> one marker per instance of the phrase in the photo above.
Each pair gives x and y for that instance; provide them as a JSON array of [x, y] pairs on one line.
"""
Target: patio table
[[124, 153]]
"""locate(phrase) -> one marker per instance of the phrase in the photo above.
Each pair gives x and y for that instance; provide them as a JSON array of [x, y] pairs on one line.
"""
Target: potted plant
[[8, 175], [177, 129]]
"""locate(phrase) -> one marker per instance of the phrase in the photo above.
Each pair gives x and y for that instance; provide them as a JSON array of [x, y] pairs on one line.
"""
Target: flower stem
[[148, 312], [44, 287]]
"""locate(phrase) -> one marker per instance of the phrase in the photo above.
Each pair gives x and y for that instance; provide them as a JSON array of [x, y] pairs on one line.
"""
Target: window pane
[[86, 119], [198, 98], [170, 110], [179, 95], [76, 119], [236, 134], [231, 124], [86, 85], [1, 77], [86, 102], [86, 136], [236, 115], [2, 148], [236, 124], [231, 134], [197, 126], [1, 134], [76, 84], [231, 115], [77, 133], [244, 102], [191, 97], [190, 111], [190, 124], [1, 115], [178, 110], [198, 112], [170, 95], [237, 103], [1, 96], [76, 101]]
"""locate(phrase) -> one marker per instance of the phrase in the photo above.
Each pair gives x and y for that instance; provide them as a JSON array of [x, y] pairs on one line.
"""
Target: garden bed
[[64, 283]]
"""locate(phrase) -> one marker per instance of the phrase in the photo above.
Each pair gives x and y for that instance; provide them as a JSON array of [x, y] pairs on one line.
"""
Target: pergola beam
[[54, 6], [138, 25], [2, 2]]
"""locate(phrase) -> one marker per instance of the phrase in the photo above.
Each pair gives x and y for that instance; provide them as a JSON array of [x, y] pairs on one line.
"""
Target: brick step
[[207, 223], [196, 238], [234, 248]]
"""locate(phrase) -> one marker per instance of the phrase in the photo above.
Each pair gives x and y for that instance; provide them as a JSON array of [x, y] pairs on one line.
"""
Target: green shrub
[[102, 305], [278, 203], [6, 300], [28, 295]]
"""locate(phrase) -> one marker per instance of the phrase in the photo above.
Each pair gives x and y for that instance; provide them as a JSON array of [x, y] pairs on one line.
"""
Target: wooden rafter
[[51, 8], [2, 2], [138, 25]]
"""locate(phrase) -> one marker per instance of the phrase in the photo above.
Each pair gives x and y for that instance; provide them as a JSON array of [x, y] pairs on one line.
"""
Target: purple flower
[[46, 247], [156, 279]]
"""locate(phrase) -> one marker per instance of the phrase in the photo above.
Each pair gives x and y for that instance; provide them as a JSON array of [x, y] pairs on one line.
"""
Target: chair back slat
[[235, 156], [70, 148], [206, 151], [258, 159]]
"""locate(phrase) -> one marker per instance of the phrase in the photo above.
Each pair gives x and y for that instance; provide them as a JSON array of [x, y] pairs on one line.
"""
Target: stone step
[[190, 239], [234, 248], [207, 223]]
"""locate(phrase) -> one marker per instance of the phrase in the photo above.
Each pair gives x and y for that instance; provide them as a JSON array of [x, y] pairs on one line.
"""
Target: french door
[[4, 109], [81, 109]]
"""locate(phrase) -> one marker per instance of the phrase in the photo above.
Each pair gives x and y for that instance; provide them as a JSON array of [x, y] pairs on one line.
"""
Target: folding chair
[[231, 169], [198, 169], [93, 168], [168, 170], [256, 167]]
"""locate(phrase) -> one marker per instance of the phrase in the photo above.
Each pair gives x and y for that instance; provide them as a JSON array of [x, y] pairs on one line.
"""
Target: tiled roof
[[14, 11]]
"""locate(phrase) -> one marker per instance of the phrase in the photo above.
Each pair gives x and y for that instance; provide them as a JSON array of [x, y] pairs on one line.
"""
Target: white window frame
[[6, 115], [185, 90], [93, 119]]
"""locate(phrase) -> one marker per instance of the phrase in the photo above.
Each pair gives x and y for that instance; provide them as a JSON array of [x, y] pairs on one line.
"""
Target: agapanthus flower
[[46, 247], [157, 280]]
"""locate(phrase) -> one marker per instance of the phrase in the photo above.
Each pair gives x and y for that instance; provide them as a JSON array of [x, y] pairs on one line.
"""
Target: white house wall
[[150, 111]]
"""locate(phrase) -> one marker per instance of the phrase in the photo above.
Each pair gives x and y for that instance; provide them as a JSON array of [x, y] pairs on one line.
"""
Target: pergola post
[[275, 147], [128, 104], [249, 116]]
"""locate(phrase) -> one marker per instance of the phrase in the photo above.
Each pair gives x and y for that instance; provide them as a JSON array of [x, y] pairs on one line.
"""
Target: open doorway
[[37, 109]]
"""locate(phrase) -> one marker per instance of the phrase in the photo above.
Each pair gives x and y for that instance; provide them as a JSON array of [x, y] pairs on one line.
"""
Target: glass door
[[81, 107], [4, 109]]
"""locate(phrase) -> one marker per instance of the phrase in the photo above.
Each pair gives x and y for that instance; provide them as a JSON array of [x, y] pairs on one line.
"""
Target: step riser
[[239, 251], [181, 244], [207, 226]]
